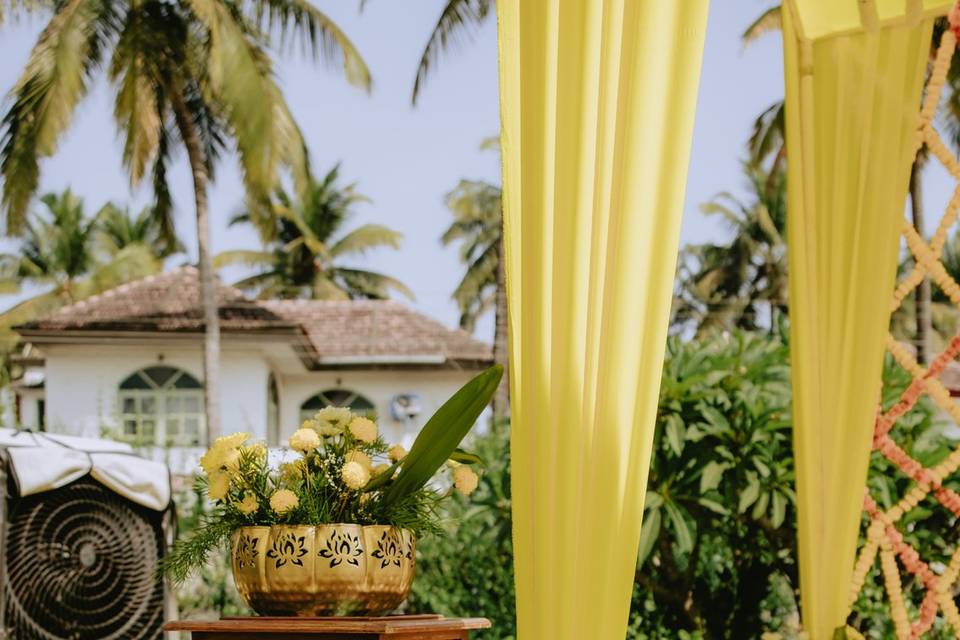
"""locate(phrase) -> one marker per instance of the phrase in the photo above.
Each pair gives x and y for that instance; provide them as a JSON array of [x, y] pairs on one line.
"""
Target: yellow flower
[[397, 453], [354, 475], [231, 460], [340, 416], [283, 501], [360, 458], [380, 468], [218, 485], [304, 440], [465, 480], [248, 505], [232, 441], [364, 429], [222, 453], [212, 461]]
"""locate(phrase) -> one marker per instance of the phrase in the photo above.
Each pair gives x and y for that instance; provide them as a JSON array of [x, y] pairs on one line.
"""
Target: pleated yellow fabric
[[597, 104], [853, 104]]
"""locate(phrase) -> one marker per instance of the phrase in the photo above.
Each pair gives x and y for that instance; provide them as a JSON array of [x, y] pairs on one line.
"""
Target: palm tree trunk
[[501, 400], [922, 292], [211, 317]]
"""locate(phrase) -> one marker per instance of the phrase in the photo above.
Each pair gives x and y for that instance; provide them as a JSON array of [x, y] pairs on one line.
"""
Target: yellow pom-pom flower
[[380, 468], [360, 458], [291, 472], [284, 501], [364, 429], [354, 475], [218, 485], [397, 453], [465, 480], [248, 505], [304, 440], [331, 421]]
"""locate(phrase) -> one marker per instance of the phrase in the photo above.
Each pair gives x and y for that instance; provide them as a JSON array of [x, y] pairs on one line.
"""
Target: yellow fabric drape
[[597, 107], [852, 113]]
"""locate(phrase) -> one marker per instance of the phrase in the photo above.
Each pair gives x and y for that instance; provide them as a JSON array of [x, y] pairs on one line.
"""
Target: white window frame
[[169, 405]]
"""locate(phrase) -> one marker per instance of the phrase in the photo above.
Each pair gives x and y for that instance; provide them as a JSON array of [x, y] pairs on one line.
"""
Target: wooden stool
[[426, 627]]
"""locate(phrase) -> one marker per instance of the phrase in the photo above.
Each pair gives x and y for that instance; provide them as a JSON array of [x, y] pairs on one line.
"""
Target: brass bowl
[[323, 570]]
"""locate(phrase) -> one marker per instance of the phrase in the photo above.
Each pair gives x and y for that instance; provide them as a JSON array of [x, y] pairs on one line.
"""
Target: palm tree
[[119, 228], [305, 245], [195, 72], [478, 227], [459, 20], [743, 283], [60, 252]]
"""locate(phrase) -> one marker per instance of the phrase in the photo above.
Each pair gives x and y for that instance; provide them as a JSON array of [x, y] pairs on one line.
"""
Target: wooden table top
[[387, 625]]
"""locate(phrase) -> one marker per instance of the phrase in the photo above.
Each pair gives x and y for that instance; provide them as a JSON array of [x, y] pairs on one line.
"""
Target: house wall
[[82, 383], [378, 386]]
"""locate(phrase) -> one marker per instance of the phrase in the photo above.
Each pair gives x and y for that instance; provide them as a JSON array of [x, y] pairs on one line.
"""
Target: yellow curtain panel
[[597, 107], [853, 99]]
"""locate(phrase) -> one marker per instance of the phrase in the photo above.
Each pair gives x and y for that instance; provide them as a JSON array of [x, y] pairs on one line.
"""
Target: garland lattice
[[883, 538]]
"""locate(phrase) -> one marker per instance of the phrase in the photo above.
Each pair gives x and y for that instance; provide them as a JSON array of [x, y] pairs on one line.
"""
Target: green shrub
[[469, 572]]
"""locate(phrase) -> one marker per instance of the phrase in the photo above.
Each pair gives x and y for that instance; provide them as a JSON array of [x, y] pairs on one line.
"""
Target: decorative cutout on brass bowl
[[323, 570]]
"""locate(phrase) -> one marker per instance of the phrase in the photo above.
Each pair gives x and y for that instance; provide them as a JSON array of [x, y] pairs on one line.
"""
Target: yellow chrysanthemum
[[354, 475], [232, 441], [223, 452], [248, 505], [212, 461], [364, 429], [304, 440], [219, 485], [283, 501], [360, 458], [465, 480], [340, 416], [397, 453]]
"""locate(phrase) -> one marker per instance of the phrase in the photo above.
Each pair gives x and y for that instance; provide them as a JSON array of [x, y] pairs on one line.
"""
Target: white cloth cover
[[43, 462]]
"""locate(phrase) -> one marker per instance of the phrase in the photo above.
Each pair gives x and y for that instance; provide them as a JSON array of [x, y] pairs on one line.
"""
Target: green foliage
[[306, 245], [469, 571], [442, 434], [73, 256], [477, 225]]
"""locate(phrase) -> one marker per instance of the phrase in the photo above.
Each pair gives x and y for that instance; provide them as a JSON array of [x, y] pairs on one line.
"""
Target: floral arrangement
[[341, 470]]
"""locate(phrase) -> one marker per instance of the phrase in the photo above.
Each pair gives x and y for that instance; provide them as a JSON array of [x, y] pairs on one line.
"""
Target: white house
[[128, 364]]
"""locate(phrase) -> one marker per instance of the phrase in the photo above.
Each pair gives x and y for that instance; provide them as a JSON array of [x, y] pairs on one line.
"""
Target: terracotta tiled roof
[[168, 301], [376, 330], [333, 333]]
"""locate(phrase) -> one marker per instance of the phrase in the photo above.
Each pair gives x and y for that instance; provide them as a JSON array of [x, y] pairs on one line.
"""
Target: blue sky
[[405, 159]]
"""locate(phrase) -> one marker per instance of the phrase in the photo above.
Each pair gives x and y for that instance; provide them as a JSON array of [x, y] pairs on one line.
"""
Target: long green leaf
[[442, 434]]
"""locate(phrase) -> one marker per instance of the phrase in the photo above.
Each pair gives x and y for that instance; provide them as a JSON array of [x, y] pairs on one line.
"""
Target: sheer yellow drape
[[597, 104], [853, 105]]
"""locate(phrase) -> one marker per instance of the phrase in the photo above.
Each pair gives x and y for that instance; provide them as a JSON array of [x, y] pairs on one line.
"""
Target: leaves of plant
[[439, 438], [648, 535]]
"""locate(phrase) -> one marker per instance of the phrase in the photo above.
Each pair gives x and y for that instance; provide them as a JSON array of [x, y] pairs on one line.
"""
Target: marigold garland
[[883, 539]]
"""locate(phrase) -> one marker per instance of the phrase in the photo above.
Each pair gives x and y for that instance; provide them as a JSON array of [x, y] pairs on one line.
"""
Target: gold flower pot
[[323, 570]]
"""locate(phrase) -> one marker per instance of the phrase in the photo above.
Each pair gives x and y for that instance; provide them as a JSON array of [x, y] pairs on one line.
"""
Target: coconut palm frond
[[768, 22], [245, 257], [459, 19], [130, 263], [43, 101], [299, 18], [365, 238], [32, 309], [369, 284]]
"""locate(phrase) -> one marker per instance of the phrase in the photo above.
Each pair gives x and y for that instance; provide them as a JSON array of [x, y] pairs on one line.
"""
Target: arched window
[[336, 398], [162, 405]]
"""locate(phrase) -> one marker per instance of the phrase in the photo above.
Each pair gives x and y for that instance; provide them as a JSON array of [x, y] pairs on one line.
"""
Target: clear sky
[[405, 159]]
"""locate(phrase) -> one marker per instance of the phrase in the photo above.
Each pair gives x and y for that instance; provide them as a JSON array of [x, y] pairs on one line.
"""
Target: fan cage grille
[[79, 564]]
